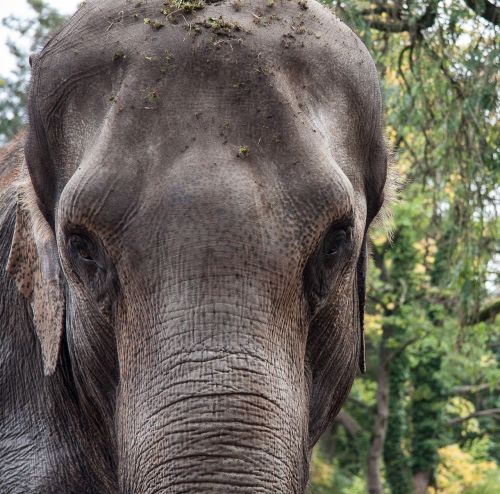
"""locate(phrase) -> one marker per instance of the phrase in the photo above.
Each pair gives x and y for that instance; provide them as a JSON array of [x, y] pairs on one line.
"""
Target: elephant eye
[[336, 240], [90, 268], [82, 248], [85, 254]]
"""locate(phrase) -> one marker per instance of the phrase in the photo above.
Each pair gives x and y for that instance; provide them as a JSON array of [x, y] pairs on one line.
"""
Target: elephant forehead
[[235, 43]]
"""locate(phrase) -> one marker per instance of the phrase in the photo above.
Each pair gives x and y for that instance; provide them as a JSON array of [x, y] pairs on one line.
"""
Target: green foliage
[[427, 406], [327, 477], [39, 22], [488, 485]]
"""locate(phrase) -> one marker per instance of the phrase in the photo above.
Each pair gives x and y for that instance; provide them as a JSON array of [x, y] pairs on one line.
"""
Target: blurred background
[[425, 416]]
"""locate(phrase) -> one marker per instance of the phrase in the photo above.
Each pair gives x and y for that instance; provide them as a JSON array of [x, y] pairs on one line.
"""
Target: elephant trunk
[[201, 417]]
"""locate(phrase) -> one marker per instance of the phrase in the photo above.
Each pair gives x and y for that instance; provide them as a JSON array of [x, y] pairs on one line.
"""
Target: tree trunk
[[397, 463], [379, 428], [348, 423], [421, 482]]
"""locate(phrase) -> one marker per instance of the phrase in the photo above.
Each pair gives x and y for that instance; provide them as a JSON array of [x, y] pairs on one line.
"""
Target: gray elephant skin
[[183, 232]]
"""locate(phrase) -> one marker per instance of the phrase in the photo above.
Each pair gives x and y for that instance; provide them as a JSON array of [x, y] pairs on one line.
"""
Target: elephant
[[183, 247]]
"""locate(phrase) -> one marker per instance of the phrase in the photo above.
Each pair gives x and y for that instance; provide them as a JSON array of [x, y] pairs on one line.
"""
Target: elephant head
[[191, 228]]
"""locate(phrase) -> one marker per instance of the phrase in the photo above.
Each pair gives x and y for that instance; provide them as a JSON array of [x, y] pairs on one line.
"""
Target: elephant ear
[[34, 265]]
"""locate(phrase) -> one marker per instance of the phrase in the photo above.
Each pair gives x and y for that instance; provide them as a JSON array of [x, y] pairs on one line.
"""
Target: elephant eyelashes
[[84, 253], [336, 240], [87, 259], [82, 249]]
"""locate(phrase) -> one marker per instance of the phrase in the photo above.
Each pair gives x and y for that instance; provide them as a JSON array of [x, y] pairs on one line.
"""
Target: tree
[[13, 87]]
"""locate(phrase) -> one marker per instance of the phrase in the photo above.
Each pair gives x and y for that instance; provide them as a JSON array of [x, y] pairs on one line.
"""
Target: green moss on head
[[155, 24], [299, 27], [173, 7], [221, 27], [152, 96], [243, 151], [261, 20]]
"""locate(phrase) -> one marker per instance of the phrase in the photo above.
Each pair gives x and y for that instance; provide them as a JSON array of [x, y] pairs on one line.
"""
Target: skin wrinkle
[[184, 422], [180, 399], [203, 360], [240, 470], [214, 343], [235, 445], [254, 357], [261, 472], [65, 90], [227, 390], [237, 451]]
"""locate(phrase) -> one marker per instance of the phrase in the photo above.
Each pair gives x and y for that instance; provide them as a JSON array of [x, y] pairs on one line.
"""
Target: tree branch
[[472, 388], [401, 348], [490, 412], [485, 9], [487, 313], [389, 27], [400, 66], [370, 408], [348, 423]]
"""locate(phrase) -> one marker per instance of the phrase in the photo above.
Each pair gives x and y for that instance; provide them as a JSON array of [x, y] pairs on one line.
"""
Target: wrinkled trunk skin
[[212, 402], [218, 421], [228, 440]]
